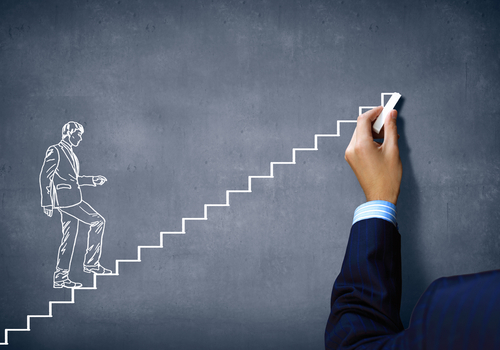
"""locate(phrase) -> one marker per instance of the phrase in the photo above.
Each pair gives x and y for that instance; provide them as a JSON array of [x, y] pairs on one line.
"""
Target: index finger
[[365, 122]]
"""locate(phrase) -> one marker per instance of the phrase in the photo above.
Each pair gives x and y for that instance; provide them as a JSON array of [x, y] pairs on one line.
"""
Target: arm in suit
[[366, 295], [85, 180], [49, 167], [91, 180], [457, 312]]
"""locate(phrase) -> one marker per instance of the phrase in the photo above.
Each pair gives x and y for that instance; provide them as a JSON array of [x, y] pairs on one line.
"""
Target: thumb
[[391, 130]]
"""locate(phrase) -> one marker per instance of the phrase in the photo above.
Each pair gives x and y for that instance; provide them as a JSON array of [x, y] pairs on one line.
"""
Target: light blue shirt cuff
[[376, 209]]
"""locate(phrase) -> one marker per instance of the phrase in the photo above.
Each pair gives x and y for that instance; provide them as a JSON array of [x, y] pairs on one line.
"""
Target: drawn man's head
[[72, 133]]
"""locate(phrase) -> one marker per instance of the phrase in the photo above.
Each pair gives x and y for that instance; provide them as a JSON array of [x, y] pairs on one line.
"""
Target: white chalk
[[389, 106]]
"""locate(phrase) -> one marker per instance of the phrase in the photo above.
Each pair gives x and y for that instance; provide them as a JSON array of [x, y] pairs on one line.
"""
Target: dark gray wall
[[182, 100]]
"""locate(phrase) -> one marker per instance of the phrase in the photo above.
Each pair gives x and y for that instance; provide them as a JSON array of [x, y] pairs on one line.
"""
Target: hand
[[48, 211], [99, 180], [377, 166]]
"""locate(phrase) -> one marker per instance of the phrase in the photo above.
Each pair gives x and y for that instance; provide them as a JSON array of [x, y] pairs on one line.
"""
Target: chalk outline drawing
[[60, 183], [205, 217]]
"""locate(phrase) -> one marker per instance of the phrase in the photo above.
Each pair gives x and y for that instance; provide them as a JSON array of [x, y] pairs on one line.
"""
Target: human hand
[[48, 211], [377, 166], [99, 180]]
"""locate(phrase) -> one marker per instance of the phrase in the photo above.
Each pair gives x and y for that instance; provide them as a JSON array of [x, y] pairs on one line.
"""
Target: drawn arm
[[91, 180], [46, 177]]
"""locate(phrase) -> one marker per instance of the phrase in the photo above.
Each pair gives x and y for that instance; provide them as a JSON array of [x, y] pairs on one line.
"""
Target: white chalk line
[[29, 317], [205, 217]]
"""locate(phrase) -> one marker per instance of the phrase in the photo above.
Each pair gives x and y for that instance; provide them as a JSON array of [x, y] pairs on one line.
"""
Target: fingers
[[380, 135], [99, 180], [363, 130], [377, 167], [351, 143], [391, 129], [364, 126]]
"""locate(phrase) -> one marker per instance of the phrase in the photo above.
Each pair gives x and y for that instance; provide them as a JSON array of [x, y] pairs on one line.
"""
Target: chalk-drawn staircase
[[183, 231]]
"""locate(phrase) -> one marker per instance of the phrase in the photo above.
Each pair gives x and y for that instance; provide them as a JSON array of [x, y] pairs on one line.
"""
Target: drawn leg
[[65, 252], [94, 241], [85, 213]]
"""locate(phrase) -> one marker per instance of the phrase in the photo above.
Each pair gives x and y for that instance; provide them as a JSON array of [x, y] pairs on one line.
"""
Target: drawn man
[[60, 183]]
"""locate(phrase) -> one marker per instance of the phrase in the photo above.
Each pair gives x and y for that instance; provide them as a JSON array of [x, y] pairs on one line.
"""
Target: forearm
[[376, 283], [85, 180], [366, 295]]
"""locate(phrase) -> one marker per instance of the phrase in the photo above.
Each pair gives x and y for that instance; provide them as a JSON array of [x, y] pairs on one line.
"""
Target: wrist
[[390, 199], [388, 196]]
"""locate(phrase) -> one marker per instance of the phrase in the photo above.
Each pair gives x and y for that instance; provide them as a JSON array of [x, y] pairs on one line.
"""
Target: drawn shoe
[[66, 283], [97, 269]]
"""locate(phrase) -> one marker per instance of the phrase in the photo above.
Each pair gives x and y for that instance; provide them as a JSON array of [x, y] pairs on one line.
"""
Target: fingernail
[[394, 114]]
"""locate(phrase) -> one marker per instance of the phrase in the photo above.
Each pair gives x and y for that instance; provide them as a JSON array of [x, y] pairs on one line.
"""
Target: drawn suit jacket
[[458, 312], [59, 178]]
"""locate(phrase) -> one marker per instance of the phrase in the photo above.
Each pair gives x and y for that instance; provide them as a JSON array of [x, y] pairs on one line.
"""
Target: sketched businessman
[[60, 183]]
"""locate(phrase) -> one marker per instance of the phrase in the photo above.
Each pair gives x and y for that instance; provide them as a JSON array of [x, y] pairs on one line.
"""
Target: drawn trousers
[[71, 218]]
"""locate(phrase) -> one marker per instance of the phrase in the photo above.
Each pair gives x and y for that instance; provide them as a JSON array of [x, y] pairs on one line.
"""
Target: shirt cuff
[[376, 209]]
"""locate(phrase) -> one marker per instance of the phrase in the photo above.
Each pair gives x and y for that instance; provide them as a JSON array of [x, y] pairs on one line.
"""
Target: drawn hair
[[70, 127]]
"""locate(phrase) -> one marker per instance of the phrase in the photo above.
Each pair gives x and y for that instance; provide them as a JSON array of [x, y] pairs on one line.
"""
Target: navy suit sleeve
[[366, 295], [459, 312], [50, 164]]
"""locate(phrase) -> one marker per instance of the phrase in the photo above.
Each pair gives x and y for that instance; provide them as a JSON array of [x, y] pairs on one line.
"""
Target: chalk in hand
[[389, 106]]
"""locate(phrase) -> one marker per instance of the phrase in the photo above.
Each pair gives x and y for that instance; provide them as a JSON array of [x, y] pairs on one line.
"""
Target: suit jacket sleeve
[[366, 295], [458, 312], [85, 180], [46, 177]]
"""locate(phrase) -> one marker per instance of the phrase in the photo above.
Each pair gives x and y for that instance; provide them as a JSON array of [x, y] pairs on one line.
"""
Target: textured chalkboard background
[[182, 100]]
